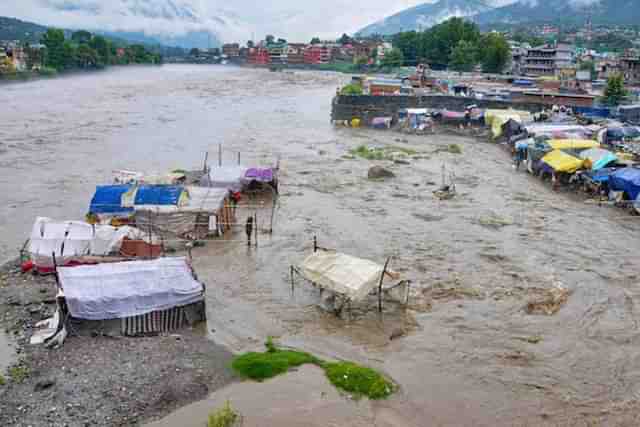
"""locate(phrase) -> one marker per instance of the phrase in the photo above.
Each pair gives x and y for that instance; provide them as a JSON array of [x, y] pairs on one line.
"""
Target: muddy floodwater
[[477, 350]]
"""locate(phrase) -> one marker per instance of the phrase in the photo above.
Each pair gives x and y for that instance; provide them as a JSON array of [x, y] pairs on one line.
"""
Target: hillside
[[15, 29], [426, 15], [620, 12]]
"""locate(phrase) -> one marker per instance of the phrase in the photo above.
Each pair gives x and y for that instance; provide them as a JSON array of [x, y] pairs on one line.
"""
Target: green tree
[[463, 57], [86, 57], [68, 56], [6, 66], [316, 40], [194, 52], [495, 53], [393, 58], [615, 91], [270, 39], [351, 89], [102, 46], [81, 37], [345, 39], [588, 66], [54, 41]]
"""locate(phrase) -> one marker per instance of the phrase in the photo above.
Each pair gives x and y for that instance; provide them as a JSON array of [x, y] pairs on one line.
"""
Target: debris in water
[[534, 339], [550, 302], [378, 172], [494, 221]]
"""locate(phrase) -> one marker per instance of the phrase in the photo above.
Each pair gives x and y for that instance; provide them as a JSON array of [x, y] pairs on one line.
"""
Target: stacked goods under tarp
[[139, 178], [495, 119], [203, 211], [132, 298], [627, 182], [558, 161], [75, 242], [239, 178], [598, 158]]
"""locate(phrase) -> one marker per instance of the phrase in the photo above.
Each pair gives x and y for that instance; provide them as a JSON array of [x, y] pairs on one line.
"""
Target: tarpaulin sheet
[[601, 176], [127, 289], [260, 175], [627, 180], [562, 162], [573, 144], [228, 177], [199, 200], [158, 195], [352, 277], [598, 158], [70, 240], [108, 199], [497, 118]]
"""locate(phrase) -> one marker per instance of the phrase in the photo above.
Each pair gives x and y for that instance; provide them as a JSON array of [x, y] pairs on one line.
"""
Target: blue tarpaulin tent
[[627, 180], [158, 195], [108, 199]]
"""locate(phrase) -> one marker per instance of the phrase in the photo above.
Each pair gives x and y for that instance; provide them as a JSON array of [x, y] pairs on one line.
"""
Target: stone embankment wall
[[367, 107]]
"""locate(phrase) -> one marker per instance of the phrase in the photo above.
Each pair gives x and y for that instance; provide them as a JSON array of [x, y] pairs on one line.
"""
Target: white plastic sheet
[[126, 289], [228, 177], [347, 275]]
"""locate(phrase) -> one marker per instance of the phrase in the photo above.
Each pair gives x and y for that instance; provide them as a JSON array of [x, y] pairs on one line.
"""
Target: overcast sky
[[231, 20]]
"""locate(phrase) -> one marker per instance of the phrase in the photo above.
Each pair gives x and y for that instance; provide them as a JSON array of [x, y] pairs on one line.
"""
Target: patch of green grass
[[223, 417], [358, 380], [2, 380], [451, 148], [346, 376], [18, 373]]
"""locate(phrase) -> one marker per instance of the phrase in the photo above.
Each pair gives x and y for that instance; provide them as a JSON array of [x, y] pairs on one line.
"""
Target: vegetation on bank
[[456, 44], [223, 417], [380, 153], [346, 376]]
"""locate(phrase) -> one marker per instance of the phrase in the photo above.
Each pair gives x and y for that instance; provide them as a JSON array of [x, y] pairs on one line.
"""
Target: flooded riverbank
[[472, 355]]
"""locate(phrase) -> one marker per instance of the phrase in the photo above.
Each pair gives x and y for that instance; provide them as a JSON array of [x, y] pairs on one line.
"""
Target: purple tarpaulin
[[260, 175]]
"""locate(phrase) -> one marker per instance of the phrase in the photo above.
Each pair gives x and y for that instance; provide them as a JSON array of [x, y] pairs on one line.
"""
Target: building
[[231, 50], [258, 56], [555, 98], [382, 49], [278, 53], [518, 53], [317, 54], [548, 60], [630, 67], [18, 57], [295, 53]]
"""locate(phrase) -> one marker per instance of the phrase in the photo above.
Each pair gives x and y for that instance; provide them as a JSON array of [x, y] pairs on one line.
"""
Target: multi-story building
[[548, 60], [295, 53], [278, 53], [317, 54], [630, 67], [258, 56], [231, 50]]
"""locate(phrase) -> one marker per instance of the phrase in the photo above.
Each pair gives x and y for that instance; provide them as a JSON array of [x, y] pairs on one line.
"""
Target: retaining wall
[[366, 107]]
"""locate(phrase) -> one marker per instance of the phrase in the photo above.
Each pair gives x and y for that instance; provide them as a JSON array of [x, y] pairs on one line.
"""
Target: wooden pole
[[238, 158], [255, 220], [150, 236], [220, 155], [384, 271], [315, 244], [292, 282], [206, 160], [55, 270]]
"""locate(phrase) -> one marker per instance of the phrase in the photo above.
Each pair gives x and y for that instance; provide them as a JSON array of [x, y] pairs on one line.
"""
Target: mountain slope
[[621, 12], [15, 29], [426, 15]]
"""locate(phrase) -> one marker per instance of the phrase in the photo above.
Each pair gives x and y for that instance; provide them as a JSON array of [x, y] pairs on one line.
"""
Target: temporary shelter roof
[[197, 200], [228, 177], [127, 289], [627, 180], [560, 161], [166, 195], [417, 111], [598, 157], [573, 144], [108, 200], [259, 174], [352, 277]]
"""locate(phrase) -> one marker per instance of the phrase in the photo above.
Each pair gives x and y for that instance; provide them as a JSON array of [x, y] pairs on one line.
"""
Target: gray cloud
[[230, 20]]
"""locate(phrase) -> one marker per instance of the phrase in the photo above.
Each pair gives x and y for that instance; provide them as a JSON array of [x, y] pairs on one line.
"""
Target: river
[[472, 355]]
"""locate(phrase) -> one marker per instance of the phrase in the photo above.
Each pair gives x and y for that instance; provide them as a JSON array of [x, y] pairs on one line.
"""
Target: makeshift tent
[[107, 200], [354, 278], [598, 158], [626, 180], [381, 122], [561, 162], [511, 128], [264, 175], [139, 178], [497, 118], [205, 210], [127, 289], [74, 242], [227, 177]]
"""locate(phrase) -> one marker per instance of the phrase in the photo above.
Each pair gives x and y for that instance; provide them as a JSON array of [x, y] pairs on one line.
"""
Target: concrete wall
[[367, 107]]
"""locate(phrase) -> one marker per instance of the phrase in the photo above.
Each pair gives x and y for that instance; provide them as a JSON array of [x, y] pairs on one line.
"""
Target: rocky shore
[[97, 380]]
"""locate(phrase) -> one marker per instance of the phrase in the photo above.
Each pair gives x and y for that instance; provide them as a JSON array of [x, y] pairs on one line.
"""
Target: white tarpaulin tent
[[352, 277], [72, 239], [128, 289], [228, 177]]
